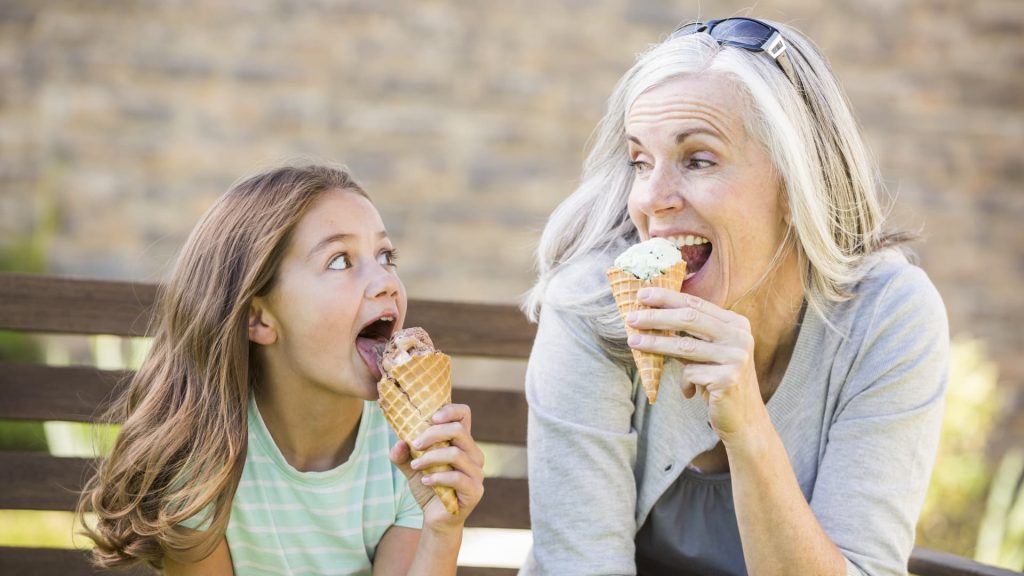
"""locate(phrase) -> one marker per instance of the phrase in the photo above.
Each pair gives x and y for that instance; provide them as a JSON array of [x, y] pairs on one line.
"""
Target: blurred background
[[121, 121]]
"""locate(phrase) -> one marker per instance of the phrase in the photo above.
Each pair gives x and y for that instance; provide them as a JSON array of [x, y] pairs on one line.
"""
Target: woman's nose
[[662, 192]]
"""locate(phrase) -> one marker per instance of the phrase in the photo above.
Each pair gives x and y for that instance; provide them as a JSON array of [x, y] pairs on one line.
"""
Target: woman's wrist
[[750, 440]]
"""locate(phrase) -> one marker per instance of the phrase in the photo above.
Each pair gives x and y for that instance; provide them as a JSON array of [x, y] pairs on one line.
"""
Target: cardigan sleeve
[[884, 433], [582, 451]]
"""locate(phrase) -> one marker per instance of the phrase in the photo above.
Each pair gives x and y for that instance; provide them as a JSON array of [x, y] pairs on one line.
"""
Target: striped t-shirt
[[284, 521]]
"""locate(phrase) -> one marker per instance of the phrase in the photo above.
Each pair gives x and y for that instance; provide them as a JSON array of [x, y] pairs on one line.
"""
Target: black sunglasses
[[747, 33]]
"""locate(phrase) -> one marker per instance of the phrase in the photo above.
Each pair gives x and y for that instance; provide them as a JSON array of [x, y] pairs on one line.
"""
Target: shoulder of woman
[[891, 282], [585, 274]]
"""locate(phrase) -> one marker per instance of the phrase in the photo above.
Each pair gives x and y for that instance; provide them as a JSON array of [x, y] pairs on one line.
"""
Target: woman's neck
[[774, 314], [314, 429]]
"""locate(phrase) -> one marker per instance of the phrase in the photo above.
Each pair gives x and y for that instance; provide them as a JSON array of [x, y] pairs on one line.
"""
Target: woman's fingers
[[688, 348], [662, 298]]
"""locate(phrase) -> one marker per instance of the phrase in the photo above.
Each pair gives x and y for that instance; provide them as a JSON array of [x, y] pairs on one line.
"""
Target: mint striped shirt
[[284, 521]]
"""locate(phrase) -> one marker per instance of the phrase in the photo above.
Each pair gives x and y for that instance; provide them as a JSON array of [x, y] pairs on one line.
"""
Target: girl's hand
[[452, 423], [717, 349]]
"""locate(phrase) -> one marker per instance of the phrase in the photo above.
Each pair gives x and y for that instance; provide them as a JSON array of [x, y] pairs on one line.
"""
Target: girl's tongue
[[370, 350], [696, 257]]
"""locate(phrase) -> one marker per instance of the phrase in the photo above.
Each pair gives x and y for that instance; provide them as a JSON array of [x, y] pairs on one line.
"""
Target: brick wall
[[120, 122]]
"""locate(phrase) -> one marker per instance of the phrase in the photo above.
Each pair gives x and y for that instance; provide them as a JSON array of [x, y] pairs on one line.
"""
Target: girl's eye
[[339, 262], [388, 257]]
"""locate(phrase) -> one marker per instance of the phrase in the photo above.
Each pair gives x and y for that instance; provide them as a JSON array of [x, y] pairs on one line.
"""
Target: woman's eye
[[699, 163], [339, 262], [639, 166], [388, 258]]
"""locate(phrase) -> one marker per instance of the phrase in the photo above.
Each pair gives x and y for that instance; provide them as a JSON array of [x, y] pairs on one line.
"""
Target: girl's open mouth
[[371, 341]]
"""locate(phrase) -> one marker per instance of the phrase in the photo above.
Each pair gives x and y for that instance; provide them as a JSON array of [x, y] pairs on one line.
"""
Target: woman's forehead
[[711, 102]]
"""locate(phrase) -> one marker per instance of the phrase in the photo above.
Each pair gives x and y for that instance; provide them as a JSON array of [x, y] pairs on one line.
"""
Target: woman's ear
[[262, 328]]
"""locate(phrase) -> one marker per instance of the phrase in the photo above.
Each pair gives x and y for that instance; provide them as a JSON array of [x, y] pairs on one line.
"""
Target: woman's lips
[[694, 249]]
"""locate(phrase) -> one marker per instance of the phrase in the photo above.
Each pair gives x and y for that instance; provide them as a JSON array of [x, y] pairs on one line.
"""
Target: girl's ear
[[261, 323]]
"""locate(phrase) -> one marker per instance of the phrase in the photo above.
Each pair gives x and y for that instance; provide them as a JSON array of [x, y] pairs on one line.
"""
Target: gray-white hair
[[831, 184]]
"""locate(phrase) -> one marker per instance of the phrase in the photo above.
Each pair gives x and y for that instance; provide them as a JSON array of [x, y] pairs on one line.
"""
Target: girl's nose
[[661, 193], [383, 282]]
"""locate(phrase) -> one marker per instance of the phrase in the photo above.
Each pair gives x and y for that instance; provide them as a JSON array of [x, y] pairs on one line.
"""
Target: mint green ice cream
[[648, 259]]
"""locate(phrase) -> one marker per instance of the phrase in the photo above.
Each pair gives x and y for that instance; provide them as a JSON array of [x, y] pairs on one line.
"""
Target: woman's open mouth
[[696, 250]]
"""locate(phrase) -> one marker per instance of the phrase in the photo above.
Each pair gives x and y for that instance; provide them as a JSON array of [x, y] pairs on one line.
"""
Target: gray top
[[692, 530], [858, 410]]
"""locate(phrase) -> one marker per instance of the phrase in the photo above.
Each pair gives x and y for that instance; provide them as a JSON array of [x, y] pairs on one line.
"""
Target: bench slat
[[13, 560], [76, 563], [38, 481], [82, 394], [55, 561], [35, 303], [925, 562]]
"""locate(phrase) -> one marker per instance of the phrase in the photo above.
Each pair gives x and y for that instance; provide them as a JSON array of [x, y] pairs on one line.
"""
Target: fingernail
[[635, 339], [427, 480], [417, 444], [415, 464], [643, 293], [632, 317]]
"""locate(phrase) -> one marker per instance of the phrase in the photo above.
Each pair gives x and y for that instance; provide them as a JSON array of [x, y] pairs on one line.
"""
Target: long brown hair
[[180, 453]]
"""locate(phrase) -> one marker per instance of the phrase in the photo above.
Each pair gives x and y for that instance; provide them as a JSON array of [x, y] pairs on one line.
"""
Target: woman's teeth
[[687, 240]]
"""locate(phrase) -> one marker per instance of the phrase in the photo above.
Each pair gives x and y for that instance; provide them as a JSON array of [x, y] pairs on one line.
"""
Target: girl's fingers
[[467, 488], [451, 456], [455, 434], [400, 453], [455, 413]]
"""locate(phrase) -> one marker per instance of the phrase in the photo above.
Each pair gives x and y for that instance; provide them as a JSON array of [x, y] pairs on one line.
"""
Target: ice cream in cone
[[657, 263], [415, 383]]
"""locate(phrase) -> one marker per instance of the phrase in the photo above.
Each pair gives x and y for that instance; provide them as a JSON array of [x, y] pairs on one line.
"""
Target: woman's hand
[[717, 349], [452, 424]]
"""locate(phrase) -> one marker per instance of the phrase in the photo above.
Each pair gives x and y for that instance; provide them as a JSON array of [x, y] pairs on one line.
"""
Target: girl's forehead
[[337, 213]]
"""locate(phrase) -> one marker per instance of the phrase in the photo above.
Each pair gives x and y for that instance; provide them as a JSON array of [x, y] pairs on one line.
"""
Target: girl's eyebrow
[[340, 237]]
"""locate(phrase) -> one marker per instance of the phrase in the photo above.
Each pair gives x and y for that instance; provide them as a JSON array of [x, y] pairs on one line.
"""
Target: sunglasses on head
[[747, 33]]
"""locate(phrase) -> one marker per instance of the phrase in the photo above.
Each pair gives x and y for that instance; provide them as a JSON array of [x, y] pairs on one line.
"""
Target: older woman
[[798, 418]]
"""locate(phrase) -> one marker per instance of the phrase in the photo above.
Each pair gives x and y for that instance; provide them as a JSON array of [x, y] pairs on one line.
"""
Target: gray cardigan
[[859, 416]]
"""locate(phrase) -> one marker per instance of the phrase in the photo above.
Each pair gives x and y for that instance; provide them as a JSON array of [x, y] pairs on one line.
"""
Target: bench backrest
[[39, 481]]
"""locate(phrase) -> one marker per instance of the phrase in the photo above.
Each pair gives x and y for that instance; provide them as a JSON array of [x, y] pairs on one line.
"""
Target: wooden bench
[[39, 481]]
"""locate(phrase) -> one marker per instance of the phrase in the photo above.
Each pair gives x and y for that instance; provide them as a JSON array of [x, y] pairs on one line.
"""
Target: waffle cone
[[410, 394], [624, 288]]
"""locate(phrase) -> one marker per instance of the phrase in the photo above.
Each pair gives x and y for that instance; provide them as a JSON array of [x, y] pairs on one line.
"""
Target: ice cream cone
[[410, 394], [624, 288]]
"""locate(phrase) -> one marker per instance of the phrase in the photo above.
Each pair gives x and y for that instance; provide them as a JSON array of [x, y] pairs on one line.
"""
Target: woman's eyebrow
[[340, 237], [683, 135]]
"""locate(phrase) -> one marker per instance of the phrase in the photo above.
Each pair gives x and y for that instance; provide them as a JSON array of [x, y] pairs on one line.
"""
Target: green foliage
[[22, 436], [1001, 536]]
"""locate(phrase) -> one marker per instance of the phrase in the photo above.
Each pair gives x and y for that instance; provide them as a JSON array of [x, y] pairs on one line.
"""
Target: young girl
[[251, 441]]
